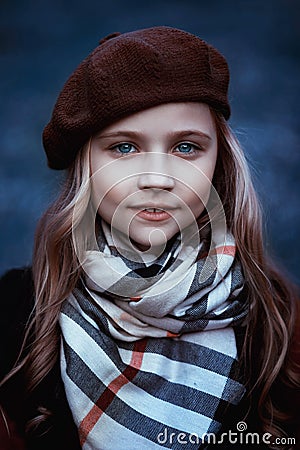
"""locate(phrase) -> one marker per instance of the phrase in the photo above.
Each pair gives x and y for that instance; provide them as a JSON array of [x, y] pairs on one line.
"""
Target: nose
[[155, 173], [155, 180]]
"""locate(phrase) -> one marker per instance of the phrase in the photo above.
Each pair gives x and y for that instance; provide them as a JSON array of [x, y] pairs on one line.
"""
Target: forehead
[[166, 117]]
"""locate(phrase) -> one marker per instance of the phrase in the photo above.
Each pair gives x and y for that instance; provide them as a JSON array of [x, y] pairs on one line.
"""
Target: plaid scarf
[[148, 354]]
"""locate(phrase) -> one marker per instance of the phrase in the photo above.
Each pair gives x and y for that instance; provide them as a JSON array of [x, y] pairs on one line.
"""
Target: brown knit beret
[[128, 73]]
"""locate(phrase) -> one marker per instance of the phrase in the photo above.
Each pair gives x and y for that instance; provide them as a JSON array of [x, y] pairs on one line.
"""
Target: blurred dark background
[[41, 42]]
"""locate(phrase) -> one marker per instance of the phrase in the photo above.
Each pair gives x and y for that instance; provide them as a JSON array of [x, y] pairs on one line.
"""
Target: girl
[[152, 317]]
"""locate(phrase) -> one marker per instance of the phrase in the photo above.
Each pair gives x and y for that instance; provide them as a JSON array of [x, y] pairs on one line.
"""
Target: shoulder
[[14, 281], [16, 296], [16, 303], [286, 389]]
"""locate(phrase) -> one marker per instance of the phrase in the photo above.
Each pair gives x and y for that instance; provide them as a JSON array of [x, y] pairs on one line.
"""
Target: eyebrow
[[172, 134]]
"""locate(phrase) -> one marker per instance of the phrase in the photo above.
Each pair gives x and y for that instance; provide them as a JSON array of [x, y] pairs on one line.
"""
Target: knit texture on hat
[[128, 73]]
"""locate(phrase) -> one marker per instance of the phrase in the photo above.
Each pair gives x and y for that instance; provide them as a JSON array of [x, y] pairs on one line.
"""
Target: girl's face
[[152, 171]]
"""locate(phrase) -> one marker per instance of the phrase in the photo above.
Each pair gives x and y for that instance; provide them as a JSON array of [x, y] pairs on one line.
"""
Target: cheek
[[195, 191], [203, 190], [112, 181], [109, 199]]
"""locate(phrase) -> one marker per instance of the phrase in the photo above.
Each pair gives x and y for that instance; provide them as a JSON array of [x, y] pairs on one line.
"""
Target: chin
[[157, 238]]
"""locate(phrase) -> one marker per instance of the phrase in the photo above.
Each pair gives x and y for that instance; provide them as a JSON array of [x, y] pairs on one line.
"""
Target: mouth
[[153, 207], [154, 210], [154, 213]]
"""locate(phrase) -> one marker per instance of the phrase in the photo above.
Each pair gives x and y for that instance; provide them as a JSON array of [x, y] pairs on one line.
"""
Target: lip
[[153, 206], [162, 212], [152, 216]]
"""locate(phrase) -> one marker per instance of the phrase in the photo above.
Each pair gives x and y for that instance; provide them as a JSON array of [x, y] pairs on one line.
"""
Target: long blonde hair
[[271, 317]]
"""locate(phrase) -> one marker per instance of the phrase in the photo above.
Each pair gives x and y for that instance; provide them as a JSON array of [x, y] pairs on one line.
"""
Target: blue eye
[[124, 148], [185, 147]]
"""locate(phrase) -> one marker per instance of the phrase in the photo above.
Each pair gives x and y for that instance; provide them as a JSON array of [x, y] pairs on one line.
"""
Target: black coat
[[59, 432], [16, 289]]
